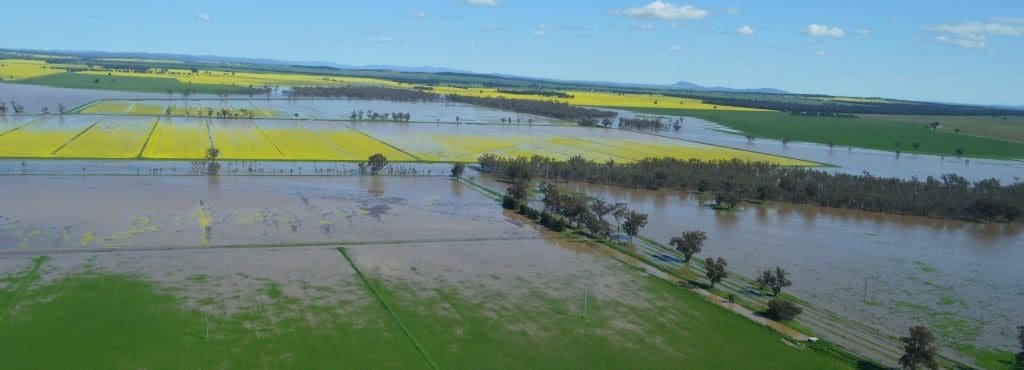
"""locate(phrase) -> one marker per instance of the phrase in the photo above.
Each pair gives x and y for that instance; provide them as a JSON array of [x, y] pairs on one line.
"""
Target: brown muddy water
[[87, 212], [961, 279]]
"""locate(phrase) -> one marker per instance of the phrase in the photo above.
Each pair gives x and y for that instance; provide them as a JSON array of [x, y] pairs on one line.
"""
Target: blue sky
[[956, 51]]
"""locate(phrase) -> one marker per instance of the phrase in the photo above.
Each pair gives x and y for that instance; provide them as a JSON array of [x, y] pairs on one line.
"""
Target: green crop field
[[124, 83], [1000, 127], [350, 311], [864, 132]]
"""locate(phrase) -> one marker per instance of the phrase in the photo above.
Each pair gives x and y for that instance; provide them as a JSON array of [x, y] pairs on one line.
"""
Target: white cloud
[[483, 2], [664, 10], [732, 10], [864, 31], [675, 48], [822, 30], [647, 27], [202, 17], [540, 29], [491, 28], [418, 14], [384, 40], [1006, 27], [974, 42], [745, 30], [820, 53], [974, 35]]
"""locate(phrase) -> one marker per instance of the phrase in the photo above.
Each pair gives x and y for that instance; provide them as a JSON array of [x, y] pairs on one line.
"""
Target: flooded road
[[890, 272]]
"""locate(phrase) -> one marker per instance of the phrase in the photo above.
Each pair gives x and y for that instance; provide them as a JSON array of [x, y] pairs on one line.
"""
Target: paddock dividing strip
[[408, 335]]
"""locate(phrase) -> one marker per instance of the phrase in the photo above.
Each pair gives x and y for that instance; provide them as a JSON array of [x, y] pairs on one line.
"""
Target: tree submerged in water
[[376, 163], [212, 167], [919, 349]]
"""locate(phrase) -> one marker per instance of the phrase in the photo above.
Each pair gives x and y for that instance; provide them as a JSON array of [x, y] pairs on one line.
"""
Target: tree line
[[641, 123], [808, 107], [362, 92], [550, 109], [358, 115], [949, 196], [550, 94]]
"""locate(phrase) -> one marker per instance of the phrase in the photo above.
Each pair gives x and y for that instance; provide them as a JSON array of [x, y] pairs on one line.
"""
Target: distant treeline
[[950, 196], [649, 123], [824, 114], [536, 107], [358, 115], [553, 94], [362, 92], [833, 109]]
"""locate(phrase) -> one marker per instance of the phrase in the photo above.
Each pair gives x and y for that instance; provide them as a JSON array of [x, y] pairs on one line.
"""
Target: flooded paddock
[[889, 272], [89, 212], [850, 160]]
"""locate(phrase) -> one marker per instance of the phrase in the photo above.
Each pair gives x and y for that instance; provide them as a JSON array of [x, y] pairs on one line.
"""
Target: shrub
[[533, 214], [545, 219], [523, 209], [558, 224], [507, 202], [781, 310]]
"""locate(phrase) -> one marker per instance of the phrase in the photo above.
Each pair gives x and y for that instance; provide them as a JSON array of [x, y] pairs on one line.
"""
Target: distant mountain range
[[681, 85]]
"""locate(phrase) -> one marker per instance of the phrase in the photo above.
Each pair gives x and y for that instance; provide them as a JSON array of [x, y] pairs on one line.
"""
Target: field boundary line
[[267, 137], [23, 287], [150, 136], [79, 134], [128, 109], [19, 127], [78, 109], [387, 308], [209, 132], [418, 159], [4, 254]]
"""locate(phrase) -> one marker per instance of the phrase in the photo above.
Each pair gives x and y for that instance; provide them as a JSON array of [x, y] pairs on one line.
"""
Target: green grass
[[487, 329], [123, 83], [88, 319], [864, 132], [1002, 127], [104, 321]]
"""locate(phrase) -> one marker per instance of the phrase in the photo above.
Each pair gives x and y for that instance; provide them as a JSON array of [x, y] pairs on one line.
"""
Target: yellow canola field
[[119, 137], [109, 107], [442, 147], [627, 151], [357, 145], [178, 138], [180, 108], [41, 138], [147, 109], [255, 79], [12, 69], [326, 141], [597, 99], [242, 140]]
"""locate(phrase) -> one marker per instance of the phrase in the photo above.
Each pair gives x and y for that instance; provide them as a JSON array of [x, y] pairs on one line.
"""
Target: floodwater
[[14, 167], [961, 279], [35, 97], [851, 160], [847, 160], [341, 109], [87, 212]]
